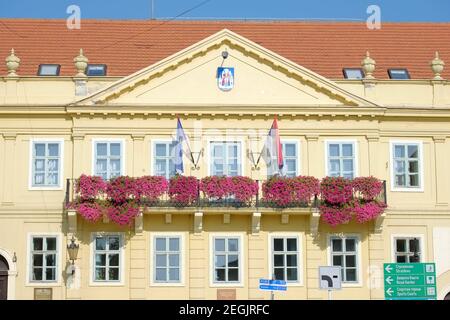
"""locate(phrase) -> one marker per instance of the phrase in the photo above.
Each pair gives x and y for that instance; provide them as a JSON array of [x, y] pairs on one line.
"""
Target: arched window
[[3, 264], [447, 297], [4, 267]]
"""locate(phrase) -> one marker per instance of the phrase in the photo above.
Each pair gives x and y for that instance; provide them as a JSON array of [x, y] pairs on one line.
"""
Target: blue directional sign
[[272, 285]]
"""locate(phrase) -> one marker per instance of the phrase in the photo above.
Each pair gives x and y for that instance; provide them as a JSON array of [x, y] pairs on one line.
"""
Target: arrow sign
[[390, 291], [410, 281], [388, 268]]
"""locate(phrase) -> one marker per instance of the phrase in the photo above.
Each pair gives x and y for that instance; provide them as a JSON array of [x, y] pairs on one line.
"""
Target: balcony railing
[[200, 200]]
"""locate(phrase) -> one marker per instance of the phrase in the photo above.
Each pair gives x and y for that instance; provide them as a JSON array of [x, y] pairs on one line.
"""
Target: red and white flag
[[273, 151]]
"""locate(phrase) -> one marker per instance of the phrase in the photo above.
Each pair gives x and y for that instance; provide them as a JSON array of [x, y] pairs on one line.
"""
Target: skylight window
[[399, 74], [96, 70], [353, 73], [49, 69]]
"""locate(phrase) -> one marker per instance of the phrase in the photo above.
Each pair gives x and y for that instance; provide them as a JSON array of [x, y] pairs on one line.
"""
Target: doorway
[[4, 268]]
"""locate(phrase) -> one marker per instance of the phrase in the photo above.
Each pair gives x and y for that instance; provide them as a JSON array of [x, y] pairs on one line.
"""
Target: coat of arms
[[225, 78]]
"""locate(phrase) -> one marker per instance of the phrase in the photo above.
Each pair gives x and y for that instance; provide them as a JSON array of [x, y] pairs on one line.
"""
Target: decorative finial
[[81, 63], [437, 66], [368, 65], [12, 64]]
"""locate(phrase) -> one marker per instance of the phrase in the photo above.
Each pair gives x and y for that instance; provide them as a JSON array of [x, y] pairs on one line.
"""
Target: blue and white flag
[[182, 143]]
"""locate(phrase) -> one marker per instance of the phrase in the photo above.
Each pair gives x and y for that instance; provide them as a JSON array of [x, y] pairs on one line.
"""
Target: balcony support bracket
[[226, 218], [284, 218], [139, 222], [378, 224], [198, 223], [168, 218], [314, 222], [72, 221], [256, 222]]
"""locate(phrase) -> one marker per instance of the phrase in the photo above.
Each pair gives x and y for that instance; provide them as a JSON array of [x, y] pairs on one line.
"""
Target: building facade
[[53, 129]]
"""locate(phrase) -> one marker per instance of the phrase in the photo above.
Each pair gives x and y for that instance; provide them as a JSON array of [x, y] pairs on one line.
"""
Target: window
[[46, 164], [226, 259], [290, 164], [407, 250], [285, 258], [226, 158], [341, 159], [344, 253], [49, 70], [108, 159], [107, 258], [164, 159], [167, 259], [353, 73], [44, 255], [406, 165], [96, 70], [399, 74]]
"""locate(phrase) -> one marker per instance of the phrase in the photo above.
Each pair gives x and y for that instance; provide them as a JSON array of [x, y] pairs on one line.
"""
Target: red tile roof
[[127, 46]]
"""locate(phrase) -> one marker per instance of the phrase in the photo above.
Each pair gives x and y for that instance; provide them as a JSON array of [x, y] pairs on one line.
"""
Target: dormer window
[[96, 70], [353, 73], [399, 74], [49, 70]]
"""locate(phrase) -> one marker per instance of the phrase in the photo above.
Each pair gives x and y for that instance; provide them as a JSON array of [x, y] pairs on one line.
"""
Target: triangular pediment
[[261, 77]]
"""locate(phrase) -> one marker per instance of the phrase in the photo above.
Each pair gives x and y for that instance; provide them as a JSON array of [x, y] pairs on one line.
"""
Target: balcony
[[126, 199]]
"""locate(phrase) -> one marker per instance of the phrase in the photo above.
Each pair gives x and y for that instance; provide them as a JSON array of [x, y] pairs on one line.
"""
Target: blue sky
[[391, 10]]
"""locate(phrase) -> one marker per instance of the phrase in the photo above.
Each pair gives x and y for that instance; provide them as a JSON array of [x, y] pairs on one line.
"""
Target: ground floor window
[[44, 257], [344, 253], [107, 258], [226, 256], [167, 259], [285, 258], [407, 249]]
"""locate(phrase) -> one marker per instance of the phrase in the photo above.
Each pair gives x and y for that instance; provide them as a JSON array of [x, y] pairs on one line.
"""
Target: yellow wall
[[143, 108]]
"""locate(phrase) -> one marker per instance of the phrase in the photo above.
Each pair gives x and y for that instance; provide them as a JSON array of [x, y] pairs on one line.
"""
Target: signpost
[[272, 285], [409, 281], [330, 278]]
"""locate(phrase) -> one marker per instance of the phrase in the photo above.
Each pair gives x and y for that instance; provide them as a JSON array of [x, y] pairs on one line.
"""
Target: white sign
[[330, 278]]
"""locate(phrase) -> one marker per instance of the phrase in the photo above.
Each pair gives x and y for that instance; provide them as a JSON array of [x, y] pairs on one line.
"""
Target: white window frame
[[300, 255], [242, 264], [153, 144], [420, 236], [421, 167], [241, 159], [355, 150], [297, 151], [29, 269], [122, 153], [60, 185], [92, 281], [183, 249], [358, 258]]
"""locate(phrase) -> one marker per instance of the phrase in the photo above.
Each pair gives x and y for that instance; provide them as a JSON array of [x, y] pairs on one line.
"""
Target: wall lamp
[[72, 248]]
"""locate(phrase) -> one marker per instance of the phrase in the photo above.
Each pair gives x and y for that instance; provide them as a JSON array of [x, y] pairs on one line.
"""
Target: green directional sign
[[409, 281]]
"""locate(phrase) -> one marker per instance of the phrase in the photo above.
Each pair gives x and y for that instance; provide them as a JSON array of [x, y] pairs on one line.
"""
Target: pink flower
[[183, 191], [121, 189], [335, 215], [216, 187], [90, 211], [150, 189], [368, 211], [89, 187], [124, 213], [243, 188], [336, 190], [284, 192], [368, 187]]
